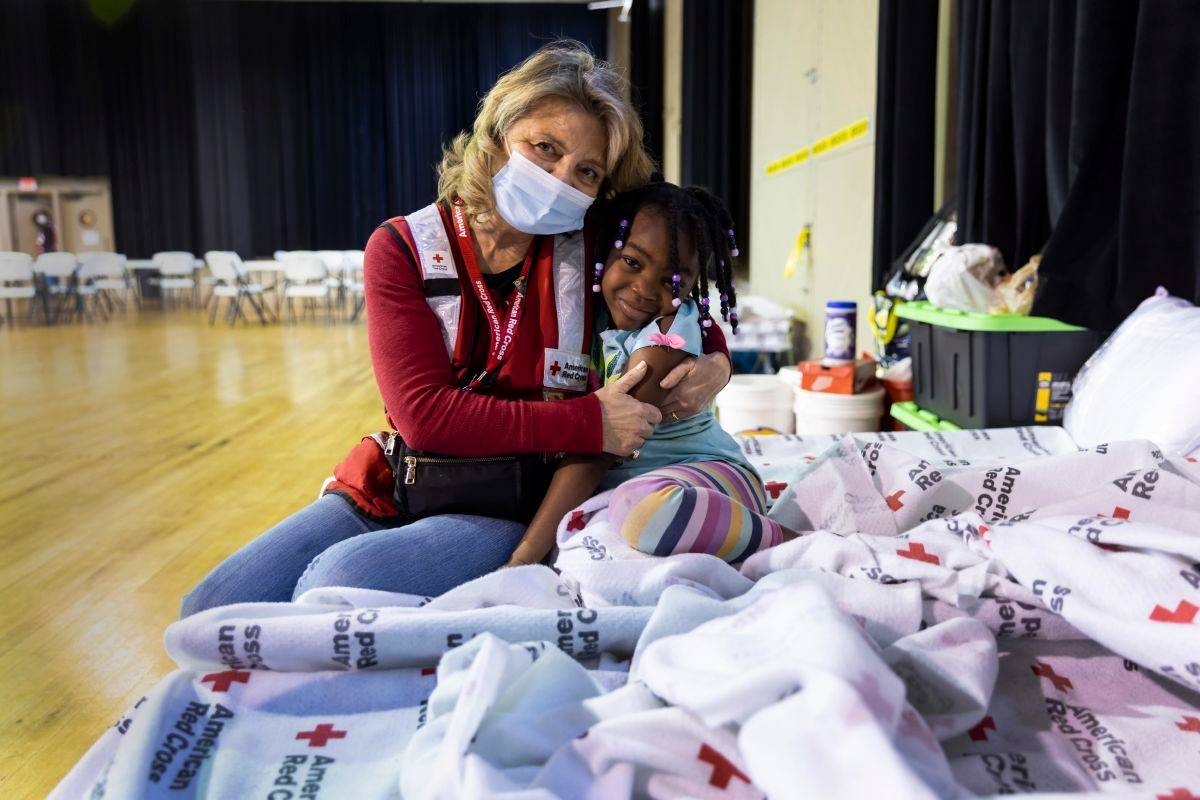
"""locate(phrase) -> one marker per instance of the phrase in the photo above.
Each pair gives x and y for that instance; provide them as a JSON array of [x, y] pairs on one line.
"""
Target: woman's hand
[[693, 385], [627, 421]]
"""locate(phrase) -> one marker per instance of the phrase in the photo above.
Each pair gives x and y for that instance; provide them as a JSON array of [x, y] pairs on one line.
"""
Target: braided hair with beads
[[693, 210]]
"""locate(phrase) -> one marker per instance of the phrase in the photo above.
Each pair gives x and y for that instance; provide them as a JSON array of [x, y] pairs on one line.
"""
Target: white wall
[[814, 73]]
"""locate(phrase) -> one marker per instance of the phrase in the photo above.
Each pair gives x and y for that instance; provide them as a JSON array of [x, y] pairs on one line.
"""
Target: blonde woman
[[479, 319]]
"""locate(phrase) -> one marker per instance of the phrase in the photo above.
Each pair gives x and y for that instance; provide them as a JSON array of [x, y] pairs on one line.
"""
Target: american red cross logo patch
[[575, 523], [979, 732], [1184, 613], [555, 368], [1189, 724], [723, 769], [320, 736], [916, 552], [1178, 793], [775, 488], [1046, 671], [893, 500], [437, 258], [221, 681]]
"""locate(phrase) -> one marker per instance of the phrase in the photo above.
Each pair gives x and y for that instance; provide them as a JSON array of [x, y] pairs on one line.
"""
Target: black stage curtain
[[905, 127], [646, 69], [255, 126], [718, 50], [1079, 137]]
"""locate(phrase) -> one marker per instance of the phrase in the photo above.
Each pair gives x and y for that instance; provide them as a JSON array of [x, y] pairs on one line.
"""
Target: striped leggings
[[707, 507]]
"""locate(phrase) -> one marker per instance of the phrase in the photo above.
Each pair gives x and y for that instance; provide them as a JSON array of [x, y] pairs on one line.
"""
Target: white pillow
[[1144, 381]]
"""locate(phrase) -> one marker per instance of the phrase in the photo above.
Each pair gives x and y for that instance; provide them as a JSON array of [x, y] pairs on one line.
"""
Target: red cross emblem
[[1193, 460], [555, 369], [321, 735], [221, 681], [1184, 612], [575, 523], [722, 768], [893, 501], [775, 488], [1178, 793], [1046, 671], [437, 258], [979, 732], [1120, 513], [1189, 724], [916, 551]]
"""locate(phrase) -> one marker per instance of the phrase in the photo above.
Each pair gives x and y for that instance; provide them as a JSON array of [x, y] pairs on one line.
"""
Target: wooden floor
[[134, 456]]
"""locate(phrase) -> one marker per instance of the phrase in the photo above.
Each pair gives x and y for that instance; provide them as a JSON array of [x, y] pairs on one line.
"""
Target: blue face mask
[[534, 201]]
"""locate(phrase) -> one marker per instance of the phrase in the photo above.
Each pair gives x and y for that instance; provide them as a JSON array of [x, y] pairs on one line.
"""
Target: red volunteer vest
[[545, 341]]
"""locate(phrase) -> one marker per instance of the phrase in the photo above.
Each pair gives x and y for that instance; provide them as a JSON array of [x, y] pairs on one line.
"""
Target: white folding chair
[[226, 268], [352, 276], [59, 283], [106, 279], [335, 263], [177, 270], [16, 282], [306, 277]]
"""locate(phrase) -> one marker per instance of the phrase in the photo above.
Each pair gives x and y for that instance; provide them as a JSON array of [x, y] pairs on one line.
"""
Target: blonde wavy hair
[[565, 70]]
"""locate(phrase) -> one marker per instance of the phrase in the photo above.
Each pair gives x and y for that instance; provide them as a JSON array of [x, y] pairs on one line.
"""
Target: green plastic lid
[[924, 311], [918, 419]]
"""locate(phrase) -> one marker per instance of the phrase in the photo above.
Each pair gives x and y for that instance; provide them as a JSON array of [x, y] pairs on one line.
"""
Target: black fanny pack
[[428, 484]]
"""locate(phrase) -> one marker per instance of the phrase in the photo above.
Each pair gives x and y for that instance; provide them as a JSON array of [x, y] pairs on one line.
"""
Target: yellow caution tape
[[793, 259], [820, 146]]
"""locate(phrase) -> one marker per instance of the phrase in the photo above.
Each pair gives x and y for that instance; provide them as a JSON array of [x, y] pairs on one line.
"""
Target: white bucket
[[827, 412], [751, 402]]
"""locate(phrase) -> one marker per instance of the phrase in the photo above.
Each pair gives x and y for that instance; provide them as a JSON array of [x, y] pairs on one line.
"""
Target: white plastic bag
[[962, 277], [1144, 381]]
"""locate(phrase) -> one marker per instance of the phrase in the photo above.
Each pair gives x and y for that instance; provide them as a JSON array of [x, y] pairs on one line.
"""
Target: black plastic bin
[[994, 371]]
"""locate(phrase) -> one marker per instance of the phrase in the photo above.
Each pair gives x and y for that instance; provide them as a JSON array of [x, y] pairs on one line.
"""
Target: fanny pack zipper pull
[[410, 474]]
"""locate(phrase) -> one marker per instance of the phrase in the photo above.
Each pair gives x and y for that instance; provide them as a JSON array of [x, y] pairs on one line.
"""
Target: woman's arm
[[416, 382], [577, 477]]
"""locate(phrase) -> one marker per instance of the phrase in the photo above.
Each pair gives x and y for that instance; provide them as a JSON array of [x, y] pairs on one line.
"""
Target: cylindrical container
[[754, 403], [826, 412], [841, 321]]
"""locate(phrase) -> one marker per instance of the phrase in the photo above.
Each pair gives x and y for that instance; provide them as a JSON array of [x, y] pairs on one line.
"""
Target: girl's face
[[637, 277]]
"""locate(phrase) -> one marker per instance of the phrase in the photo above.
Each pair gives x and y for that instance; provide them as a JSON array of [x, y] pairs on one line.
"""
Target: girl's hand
[[693, 385]]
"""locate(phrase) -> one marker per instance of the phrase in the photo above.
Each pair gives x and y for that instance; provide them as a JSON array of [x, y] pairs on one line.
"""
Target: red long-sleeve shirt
[[420, 390]]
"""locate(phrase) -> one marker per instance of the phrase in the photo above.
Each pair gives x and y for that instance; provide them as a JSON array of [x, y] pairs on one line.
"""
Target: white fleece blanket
[[976, 613]]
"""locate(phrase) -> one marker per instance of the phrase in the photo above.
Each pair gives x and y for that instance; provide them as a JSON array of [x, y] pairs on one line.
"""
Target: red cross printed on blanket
[[321, 735], [437, 257], [916, 552], [1120, 513], [1184, 613], [775, 488], [221, 681], [1178, 793], [575, 523], [555, 369], [979, 732], [1047, 671], [893, 501], [1189, 724], [722, 768]]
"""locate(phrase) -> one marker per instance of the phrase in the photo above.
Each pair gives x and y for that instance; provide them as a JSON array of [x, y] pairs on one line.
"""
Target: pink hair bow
[[672, 340]]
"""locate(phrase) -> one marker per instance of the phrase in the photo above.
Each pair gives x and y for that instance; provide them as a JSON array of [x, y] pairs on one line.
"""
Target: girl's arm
[[577, 477]]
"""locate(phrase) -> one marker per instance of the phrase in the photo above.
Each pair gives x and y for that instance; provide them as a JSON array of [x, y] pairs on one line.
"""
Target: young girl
[[688, 489]]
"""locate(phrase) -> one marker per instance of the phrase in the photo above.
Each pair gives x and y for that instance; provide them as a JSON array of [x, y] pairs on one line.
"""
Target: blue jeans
[[329, 544]]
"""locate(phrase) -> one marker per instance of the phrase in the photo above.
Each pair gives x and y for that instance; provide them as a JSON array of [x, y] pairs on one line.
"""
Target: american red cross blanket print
[[967, 614]]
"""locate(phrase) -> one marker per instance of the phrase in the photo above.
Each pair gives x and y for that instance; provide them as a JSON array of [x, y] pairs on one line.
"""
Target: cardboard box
[[845, 379]]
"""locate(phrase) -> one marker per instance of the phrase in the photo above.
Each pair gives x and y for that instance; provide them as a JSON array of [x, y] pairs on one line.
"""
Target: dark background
[[256, 126]]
